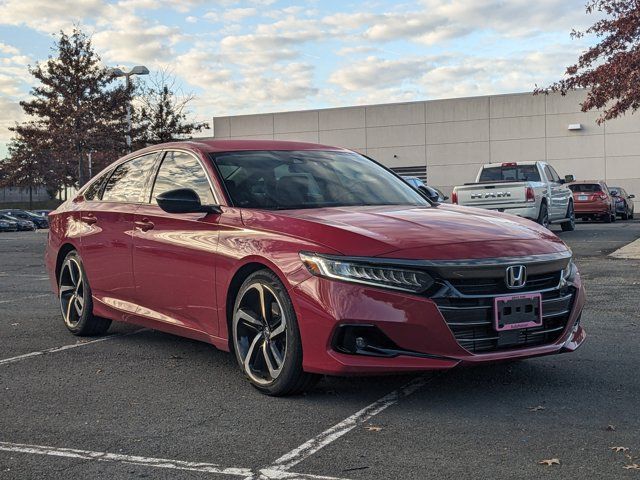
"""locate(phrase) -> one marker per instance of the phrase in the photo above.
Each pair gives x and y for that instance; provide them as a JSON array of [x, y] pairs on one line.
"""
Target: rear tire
[[76, 304], [607, 218], [543, 216], [570, 225], [266, 337]]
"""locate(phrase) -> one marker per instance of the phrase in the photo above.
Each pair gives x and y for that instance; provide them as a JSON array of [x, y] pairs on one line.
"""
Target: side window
[[556, 177], [128, 181], [93, 191], [549, 173], [182, 170]]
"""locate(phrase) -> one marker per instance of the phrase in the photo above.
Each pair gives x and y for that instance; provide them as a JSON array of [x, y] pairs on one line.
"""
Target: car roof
[[236, 145], [599, 182]]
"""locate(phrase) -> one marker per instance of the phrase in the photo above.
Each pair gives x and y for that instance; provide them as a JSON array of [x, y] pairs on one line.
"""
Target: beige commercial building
[[448, 140]]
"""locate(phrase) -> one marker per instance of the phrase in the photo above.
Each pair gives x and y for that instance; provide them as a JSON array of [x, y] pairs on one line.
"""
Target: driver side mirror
[[569, 178], [428, 194], [632, 196], [184, 200]]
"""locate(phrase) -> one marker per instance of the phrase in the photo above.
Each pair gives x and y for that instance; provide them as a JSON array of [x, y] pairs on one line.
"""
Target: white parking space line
[[297, 455], [157, 462], [116, 457], [66, 347], [29, 297]]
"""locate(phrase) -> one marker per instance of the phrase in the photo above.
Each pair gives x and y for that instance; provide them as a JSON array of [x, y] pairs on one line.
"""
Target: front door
[[174, 254], [105, 229]]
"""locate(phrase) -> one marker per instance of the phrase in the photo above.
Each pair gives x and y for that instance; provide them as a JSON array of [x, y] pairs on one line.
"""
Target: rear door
[[174, 254], [105, 231]]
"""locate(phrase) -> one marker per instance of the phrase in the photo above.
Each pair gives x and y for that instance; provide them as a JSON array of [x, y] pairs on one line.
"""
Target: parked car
[[304, 260], [21, 224], [623, 202], [7, 225], [38, 220], [532, 190], [593, 201], [42, 213], [433, 193]]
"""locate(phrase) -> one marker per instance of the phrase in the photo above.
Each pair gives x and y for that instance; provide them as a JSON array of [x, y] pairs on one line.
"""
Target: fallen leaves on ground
[[633, 466], [549, 462], [619, 449], [611, 428], [373, 428], [536, 409]]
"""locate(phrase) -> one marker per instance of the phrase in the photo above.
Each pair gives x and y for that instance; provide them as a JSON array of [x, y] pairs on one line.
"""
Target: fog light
[[363, 340]]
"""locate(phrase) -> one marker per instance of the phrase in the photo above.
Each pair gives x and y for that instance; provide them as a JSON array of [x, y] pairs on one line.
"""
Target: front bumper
[[414, 323]]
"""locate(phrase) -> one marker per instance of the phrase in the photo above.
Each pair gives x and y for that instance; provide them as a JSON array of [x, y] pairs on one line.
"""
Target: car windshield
[[510, 173], [278, 180], [585, 187]]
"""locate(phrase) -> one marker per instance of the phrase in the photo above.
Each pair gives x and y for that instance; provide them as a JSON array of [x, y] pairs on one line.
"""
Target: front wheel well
[[62, 254], [234, 287]]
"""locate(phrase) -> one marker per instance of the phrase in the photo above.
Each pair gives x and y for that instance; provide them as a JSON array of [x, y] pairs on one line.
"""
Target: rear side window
[[93, 191], [129, 180], [511, 173], [182, 170], [585, 187]]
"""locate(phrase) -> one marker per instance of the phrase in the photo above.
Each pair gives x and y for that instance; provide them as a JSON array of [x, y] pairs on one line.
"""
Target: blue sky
[[255, 56]]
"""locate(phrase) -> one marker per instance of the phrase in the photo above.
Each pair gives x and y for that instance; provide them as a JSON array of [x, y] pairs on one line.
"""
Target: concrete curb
[[631, 251]]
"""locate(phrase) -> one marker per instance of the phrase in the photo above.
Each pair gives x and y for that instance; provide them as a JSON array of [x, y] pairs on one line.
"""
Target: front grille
[[471, 319], [489, 286]]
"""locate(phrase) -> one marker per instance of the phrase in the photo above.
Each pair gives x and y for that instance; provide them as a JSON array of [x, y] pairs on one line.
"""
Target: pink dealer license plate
[[518, 311]]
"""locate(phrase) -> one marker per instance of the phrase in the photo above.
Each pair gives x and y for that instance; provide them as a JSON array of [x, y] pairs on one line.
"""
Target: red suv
[[592, 200], [305, 259]]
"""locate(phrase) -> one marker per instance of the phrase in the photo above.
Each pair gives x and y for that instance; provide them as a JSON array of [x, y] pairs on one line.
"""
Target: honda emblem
[[516, 276]]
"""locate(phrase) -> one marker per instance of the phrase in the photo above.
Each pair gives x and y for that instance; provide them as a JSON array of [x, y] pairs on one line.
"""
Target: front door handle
[[89, 219], [145, 224]]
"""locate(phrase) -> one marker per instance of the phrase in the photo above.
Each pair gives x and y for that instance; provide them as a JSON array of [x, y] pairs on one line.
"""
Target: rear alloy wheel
[[266, 338], [543, 216], [75, 299], [626, 215], [570, 225]]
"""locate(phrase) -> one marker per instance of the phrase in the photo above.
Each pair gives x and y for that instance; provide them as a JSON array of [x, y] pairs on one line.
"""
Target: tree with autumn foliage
[[77, 107], [162, 114], [610, 70]]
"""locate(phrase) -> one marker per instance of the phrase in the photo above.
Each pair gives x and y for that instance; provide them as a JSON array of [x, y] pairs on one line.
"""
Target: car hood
[[440, 232]]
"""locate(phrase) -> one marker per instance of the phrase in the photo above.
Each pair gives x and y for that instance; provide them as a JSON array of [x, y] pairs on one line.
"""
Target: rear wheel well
[[62, 253], [234, 287]]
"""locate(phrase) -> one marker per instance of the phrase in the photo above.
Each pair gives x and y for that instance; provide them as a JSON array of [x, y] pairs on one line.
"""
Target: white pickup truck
[[529, 189]]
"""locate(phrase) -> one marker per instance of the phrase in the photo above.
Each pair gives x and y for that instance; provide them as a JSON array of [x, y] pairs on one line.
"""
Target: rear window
[[585, 187], [514, 173]]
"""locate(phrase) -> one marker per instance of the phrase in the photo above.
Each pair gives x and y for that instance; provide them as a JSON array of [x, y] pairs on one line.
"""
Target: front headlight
[[367, 272], [569, 272]]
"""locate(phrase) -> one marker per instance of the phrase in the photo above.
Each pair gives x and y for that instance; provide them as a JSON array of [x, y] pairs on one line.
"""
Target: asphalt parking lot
[[143, 404]]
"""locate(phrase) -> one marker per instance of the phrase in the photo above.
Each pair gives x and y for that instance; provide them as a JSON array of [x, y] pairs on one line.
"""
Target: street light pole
[[118, 72]]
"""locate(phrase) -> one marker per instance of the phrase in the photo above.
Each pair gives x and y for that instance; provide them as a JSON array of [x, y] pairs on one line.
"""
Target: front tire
[[74, 294], [266, 338]]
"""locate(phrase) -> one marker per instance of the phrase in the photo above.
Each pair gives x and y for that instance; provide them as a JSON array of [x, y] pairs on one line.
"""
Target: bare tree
[[162, 114]]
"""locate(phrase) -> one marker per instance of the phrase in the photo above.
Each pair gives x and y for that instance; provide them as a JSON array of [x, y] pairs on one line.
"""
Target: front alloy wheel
[[266, 338]]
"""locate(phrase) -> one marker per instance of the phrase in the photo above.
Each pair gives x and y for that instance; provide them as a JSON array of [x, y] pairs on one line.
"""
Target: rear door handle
[[145, 224], [89, 219]]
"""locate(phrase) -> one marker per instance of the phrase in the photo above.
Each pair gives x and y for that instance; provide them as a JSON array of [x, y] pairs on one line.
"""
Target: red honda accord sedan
[[304, 259]]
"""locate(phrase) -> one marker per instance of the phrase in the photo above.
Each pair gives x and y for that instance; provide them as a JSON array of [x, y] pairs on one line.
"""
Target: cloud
[[49, 16], [375, 72], [239, 14]]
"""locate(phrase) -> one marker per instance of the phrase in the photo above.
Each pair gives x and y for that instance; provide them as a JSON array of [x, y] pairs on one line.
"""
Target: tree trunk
[[30, 197]]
